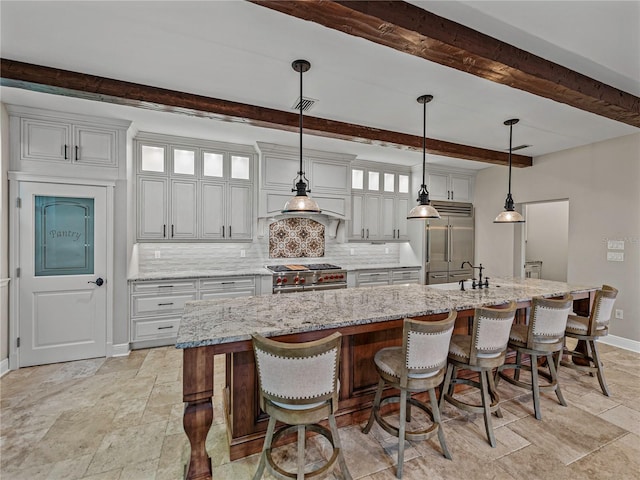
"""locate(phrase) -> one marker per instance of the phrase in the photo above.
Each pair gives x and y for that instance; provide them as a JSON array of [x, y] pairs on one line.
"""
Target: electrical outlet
[[386, 250], [156, 254], [243, 253], [615, 256], [619, 313], [352, 251]]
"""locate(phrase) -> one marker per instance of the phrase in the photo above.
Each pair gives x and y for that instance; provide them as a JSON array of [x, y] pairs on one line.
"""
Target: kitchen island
[[369, 319]]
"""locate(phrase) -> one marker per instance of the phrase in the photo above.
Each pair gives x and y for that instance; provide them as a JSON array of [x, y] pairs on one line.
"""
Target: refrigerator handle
[[428, 246], [450, 248], [447, 242]]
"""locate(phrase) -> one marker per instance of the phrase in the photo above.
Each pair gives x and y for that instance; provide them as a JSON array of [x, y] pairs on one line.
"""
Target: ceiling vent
[[307, 104], [519, 147]]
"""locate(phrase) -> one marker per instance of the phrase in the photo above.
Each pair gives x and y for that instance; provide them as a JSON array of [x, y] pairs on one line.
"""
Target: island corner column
[[197, 393]]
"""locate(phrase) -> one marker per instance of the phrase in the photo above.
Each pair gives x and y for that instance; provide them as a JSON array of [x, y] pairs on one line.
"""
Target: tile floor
[[121, 418]]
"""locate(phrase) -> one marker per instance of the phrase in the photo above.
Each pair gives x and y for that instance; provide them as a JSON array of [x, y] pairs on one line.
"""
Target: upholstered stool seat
[[417, 366], [542, 337], [299, 387], [587, 330], [481, 351]]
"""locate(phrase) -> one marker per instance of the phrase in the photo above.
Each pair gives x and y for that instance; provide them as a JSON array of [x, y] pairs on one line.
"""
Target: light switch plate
[[615, 244], [619, 313], [615, 256], [156, 254]]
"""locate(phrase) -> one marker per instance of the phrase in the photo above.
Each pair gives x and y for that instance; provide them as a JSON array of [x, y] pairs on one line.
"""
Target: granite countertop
[[212, 322], [256, 270]]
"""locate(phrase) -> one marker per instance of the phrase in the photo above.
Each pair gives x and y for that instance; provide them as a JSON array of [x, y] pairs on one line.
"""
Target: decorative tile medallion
[[296, 237]]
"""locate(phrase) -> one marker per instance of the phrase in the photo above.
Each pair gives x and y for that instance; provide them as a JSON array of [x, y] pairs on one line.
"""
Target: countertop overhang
[[214, 322]]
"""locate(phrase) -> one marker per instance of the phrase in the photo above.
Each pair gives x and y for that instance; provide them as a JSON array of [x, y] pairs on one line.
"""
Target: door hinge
[[18, 342], [18, 272], [18, 202]]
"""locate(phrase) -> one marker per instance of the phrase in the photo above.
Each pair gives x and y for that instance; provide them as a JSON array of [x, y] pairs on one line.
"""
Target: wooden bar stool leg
[[437, 419], [374, 407], [486, 403], [554, 379], [599, 366], [516, 372], [493, 392], [267, 445], [301, 441], [535, 386], [401, 431], [445, 386], [336, 440]]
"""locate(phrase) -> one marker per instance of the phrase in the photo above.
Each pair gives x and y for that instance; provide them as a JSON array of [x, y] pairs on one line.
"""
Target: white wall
[[601, 182], [547, 237], [4, 233]]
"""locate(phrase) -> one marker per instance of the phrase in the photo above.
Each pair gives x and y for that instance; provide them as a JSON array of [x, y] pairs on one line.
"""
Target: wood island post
[[197, 393]]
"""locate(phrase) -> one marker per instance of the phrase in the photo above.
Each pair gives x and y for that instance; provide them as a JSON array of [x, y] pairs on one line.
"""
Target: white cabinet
[[457, 187], [190, 189], [156, 307], [327, 172], [379, 202], [387, 276], [46, 141]]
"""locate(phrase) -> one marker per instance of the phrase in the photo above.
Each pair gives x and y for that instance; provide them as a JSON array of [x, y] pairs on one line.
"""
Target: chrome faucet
[[479, 284]]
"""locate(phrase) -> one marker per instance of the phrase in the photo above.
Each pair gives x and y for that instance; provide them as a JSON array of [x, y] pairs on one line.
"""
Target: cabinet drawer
[[152, 329], [154, 305], [164, 287], [228, 283], [405, 276], [373, 276], [216, 294]]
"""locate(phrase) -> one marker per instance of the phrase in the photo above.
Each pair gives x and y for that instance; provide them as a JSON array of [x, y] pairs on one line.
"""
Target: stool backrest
[[602, 308], [298, 373], [547, 322], [425, 345], [490, 334]]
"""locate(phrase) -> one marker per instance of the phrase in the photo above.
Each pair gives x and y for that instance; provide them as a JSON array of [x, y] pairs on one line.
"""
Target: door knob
[[99, 282]]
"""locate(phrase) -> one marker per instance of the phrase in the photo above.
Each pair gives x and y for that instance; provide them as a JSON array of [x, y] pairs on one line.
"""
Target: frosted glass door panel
[[212, 164], [403, 183], [152, 159], [64, 238], [184, 162], [389, 182], [357, 179], [374, 181], [240, 168]]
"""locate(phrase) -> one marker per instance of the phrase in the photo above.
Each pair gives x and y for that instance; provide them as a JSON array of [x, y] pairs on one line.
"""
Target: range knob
[[278, 280], [284, 280], [302, 280], [295, 279], [320, 279]]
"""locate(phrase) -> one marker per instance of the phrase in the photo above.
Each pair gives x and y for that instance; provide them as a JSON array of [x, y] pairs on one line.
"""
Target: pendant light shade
[[424, 209], [509, 215], [301, 203]]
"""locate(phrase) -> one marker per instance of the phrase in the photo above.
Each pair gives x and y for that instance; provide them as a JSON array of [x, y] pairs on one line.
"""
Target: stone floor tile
[[534, 463], [619, 460], [140, 471], [624, 417]]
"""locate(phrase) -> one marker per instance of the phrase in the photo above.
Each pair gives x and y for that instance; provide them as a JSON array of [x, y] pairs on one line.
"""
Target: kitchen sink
[[452, 286]]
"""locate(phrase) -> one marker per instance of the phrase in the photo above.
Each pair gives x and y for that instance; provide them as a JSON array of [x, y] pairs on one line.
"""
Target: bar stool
[[299, 387], [418, 366], [482, 351], [587, 330], [542, 337]]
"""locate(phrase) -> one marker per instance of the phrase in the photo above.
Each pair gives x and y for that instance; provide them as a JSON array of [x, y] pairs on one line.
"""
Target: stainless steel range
[[309, 277]]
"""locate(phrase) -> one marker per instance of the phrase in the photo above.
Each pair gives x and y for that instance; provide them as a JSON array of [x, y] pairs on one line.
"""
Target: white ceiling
[[239, 51]]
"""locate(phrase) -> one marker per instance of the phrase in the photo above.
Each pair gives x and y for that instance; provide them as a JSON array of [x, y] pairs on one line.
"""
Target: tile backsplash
[[296, 238], [177, 257]]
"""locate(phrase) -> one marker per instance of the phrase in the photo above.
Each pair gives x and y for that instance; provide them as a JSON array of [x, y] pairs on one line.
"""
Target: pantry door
[[63, 265]]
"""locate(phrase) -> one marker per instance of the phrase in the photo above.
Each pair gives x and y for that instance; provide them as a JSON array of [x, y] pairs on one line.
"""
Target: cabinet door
[[94, 146], [460, 188], [356, 231], [329, 177], [239, 213], [152, 208], [388, 218], [439, 186], [183, 210], [213, 207], [402, 209], [42, 140], [372, 217]]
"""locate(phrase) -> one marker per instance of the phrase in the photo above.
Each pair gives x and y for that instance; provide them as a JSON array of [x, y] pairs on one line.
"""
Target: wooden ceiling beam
[[410, 29], [73, 84]]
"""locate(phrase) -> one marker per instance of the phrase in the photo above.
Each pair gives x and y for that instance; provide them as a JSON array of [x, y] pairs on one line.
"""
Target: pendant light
[[509, 215], [424, 209], [301, 203]]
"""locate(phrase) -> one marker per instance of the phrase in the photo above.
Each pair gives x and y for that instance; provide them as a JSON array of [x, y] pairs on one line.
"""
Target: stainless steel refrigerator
[[449, 241]]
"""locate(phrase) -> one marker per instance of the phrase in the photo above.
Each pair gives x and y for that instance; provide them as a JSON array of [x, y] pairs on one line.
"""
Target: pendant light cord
[[424, 141], [510, 143], [301, 173]]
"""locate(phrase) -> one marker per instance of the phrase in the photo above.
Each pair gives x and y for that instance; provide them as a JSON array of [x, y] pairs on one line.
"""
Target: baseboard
[[621, 342], [4, 367], [120, 350]]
